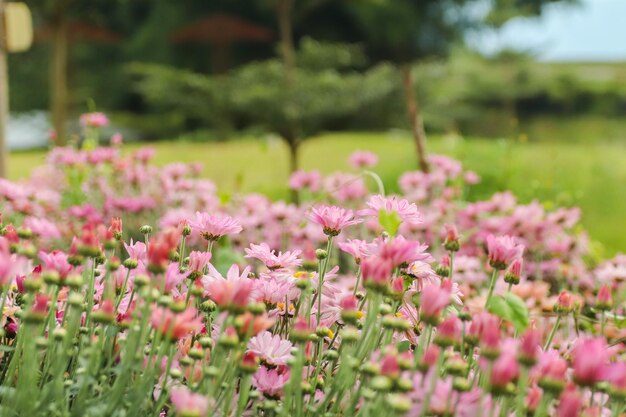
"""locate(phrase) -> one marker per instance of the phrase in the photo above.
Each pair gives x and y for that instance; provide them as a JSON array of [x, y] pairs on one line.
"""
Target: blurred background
[[531, 94]]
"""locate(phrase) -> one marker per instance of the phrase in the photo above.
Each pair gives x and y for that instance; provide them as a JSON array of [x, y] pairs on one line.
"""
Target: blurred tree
[[405, 31], [329, 87]]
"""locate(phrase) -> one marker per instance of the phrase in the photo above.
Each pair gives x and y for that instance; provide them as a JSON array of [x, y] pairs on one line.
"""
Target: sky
[[595, 30]]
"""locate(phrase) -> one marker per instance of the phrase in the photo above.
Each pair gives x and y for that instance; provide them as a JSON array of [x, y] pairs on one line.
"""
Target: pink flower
[[232, 293], [56, 261], [136, 250], [551, 367], [187, 403], [271, 259], [43, 228], [530, 347], [570, 403], [389, 366], [505, 369], [117, 139], [616, 375], [357, 248], [402, 251], [176, 326], [590, 358], [502, 251], [363, 159], [406, 211], [605, 299], [471, 177], [433, 300], [96, 120], [333, 219], [271, 381], [214, 226], [302, 179], [270, 348], [198, 261], [376, 271], [7, 268], [449, 330]]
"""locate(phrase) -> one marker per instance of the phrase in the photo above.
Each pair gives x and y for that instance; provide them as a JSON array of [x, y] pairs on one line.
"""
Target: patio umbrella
[[221, 31]]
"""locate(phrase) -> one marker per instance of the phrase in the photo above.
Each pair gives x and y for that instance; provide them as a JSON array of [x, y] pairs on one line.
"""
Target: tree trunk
[[288, 55], [294, 165], [4, 97], [283, 14], [58, 77], [415, 116]]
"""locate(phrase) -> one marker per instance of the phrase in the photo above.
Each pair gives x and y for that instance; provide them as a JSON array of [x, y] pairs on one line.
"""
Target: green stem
[[552, 333], [492, 285]]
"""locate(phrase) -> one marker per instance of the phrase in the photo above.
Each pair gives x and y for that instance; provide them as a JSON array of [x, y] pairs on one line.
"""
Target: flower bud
[[381, 383], [131, 263], [321, 254], [349, 334], [24, 233], [145, 229], [399, 403], [141, 281], [605, 299], [205, 342], [451, 242], [249, 363], [461, 384]]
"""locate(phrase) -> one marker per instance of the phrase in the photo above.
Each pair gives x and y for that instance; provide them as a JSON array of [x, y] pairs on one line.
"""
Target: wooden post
[[4, 96], [58, 77], [415, 117]]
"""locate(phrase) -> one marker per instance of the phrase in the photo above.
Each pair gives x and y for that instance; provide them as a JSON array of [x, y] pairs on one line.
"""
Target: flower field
[[133, 290]]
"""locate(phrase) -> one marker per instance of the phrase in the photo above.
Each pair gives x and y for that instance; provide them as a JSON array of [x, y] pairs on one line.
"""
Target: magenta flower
[[214, 226], [363, 159], [43, 228], [333, 219], [95, 120], [187, 403], [56, 261], [570, 403], [590, 360], [551, 368], [503, 250], [357, 248], [301, 179], [232, 293], [376, 271], [273, 260], [529, 347], [198, 261], [401, 251], [406, 211], [7, 268], [271, 349], [271, 381], [505, 369], [176, 326], [433, 300]]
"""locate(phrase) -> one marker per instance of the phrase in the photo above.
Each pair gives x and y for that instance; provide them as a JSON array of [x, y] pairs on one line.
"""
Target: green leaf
[[499, 307], [404, 346], [390, 221], [519, 311], [224, 258]]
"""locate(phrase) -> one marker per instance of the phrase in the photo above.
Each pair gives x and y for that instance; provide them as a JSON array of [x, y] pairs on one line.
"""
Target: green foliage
[[390, 221], [256, 94], [510, 308]]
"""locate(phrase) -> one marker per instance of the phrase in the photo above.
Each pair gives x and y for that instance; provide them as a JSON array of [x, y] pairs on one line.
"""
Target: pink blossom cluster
[[128, 288]]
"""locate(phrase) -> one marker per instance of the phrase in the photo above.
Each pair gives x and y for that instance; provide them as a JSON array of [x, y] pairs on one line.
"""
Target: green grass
[[592, 176]]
